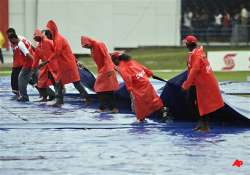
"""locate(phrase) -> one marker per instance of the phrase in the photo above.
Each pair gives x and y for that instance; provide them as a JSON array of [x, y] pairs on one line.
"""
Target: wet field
[[75, 139]]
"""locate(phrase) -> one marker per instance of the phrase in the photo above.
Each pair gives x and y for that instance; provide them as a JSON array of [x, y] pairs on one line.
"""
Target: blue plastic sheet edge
[[173, 97]]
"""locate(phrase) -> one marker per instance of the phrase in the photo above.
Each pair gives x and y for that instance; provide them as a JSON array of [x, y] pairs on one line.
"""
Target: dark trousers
[[193, 104], [23, 81], [45, 92], [1, 56], [107, 100], [59, 88], [14, 79], [78, 85]]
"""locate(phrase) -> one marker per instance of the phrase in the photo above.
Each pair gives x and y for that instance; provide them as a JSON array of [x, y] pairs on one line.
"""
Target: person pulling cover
[[18, 61], [43, 51], [106, 82], [69, 72], [23, 51], [144, 98], [201, 84]]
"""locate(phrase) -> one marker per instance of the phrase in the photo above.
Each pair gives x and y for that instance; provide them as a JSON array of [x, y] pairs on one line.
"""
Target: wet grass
[[171, 58], [221, 76], [161, 58]]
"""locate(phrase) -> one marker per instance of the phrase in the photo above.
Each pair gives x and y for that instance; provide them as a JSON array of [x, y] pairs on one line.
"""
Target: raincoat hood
[[38, 33], [87, 41], [115, 55], [51, 25]]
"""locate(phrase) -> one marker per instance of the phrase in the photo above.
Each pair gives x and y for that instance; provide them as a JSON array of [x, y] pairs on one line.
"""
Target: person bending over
[[144, 98], [106, 82], [68, 69], [18, 61], [43, 51], [23, 50]]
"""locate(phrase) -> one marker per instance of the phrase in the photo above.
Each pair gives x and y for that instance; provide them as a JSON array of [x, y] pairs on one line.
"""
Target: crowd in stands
[[222, 25]]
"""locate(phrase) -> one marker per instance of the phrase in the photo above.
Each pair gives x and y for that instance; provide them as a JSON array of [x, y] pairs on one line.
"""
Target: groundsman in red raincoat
[[145, 100], [43, 52], [106, 82], [69, 72], [200, 76]]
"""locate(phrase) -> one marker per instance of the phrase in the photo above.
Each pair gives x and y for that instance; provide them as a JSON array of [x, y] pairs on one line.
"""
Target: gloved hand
[[33, 77], [109, 73], [42, 64]]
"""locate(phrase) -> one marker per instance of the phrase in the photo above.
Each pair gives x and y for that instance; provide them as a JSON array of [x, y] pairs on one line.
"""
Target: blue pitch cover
[[87, 78], [236, 107]]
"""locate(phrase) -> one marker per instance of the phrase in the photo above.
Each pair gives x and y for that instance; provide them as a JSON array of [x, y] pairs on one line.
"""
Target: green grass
[[173, 58], [5, 73], [162, 58], [5, 69], [221, 76]]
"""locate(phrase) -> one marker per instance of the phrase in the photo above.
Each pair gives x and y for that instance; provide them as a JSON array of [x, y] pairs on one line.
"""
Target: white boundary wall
[[119, 23]]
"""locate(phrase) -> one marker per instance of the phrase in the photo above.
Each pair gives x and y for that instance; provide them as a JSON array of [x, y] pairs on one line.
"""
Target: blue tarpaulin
[[237, 108], [76, 139]]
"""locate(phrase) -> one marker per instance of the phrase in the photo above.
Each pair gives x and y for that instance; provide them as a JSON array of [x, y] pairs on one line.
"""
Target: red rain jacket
[[106, 78], [43, 52], [201, 76], [145, 99], [19, 60], [62, 52]]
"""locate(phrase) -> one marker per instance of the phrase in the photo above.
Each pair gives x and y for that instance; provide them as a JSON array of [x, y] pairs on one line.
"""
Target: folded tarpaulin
[[237, 108], [87, 78]]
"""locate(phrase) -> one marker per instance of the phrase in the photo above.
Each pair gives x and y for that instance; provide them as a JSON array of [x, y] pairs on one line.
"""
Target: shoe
[[114, 110], [58, 103], [202, 126], [51, 98], [42, 100], [87, 101], [22, 99], [140, 120], [203, 129], [165, 114], [100, 110]]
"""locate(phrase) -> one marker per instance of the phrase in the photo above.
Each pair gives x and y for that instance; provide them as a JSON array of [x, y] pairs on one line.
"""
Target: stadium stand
[[221, 21]]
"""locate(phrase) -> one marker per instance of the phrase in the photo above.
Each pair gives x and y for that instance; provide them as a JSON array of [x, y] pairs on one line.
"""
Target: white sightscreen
[[119, 23]]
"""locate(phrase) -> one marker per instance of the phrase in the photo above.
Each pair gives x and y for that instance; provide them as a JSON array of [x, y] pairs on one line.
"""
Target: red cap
[[190, 39]]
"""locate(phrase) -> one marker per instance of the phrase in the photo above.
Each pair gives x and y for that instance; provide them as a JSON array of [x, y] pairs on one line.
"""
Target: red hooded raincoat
[[145, 99], [106, 78], [200, 75], [62, 52], [44, 51]]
